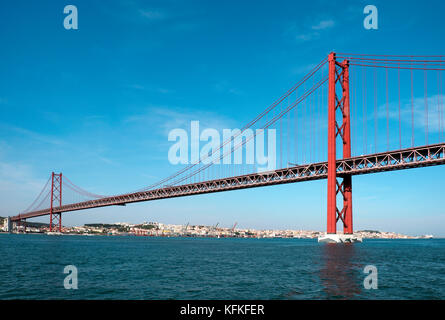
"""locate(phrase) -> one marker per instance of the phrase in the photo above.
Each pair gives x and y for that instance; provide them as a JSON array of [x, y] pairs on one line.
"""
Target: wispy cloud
[[225, 87], [303, 69], [323, 24], [34, 135], [173, 19], [167, 118], [18, 187], [309, 31], [152, 14], [141, 87], [415, 111], [135, 86]]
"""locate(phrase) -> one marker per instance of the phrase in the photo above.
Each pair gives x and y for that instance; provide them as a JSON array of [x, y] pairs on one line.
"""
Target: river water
[[128, 267]]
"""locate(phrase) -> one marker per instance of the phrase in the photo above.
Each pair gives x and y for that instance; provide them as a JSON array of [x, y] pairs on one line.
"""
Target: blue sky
[[97, 103]]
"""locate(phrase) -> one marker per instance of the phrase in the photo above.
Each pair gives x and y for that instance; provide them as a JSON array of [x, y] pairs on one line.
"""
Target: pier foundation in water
[[339, 238]]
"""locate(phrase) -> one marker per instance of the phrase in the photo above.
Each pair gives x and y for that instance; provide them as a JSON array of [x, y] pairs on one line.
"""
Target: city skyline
[[160, 229]]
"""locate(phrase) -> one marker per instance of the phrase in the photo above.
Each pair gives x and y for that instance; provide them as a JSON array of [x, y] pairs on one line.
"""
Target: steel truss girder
[[424, 156]]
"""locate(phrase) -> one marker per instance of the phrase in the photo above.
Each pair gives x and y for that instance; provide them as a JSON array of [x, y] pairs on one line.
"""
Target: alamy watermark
[[71, 20], [70, 281], [235, 142], [371, 280], [371, 21]]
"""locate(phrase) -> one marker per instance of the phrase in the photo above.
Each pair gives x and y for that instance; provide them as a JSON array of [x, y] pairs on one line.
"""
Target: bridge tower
[[338, 109], [55, 218]]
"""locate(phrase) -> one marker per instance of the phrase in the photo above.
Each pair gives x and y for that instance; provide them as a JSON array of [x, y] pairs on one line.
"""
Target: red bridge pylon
[[338, 74], [55, 219]]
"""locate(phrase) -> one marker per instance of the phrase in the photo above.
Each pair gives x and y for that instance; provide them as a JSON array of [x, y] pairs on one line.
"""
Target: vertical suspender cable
[[310, 127], [288, 134], [438, 108], [375, 111], [355, 84], [351, 110], [322, 108], [296, 129], [412, 110], [317, 126], [387, 112], [400, 124], [441, 105], [303, 126], [364, 111], [281, 140], [426, 105]]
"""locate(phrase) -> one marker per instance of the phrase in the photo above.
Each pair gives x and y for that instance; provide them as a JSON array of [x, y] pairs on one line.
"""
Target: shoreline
[[211, 237]]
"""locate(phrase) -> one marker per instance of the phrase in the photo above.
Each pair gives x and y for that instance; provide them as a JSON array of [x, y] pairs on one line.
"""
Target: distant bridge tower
[[338, 107], [55, 219]]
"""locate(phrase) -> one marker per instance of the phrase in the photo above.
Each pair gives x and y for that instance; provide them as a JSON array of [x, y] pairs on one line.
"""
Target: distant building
[[7, 224]]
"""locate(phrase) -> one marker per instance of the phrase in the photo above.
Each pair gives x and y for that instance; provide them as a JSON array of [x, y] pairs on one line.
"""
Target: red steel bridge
[[351, 114]]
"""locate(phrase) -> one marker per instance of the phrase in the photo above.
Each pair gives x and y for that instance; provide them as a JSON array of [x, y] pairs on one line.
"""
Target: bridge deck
[[387, 161]]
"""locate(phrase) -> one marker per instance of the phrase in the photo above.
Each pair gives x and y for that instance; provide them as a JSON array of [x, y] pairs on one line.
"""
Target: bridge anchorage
[[316, 126]]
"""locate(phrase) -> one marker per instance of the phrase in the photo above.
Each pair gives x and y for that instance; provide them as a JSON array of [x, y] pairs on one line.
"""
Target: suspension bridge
[[351, 114]]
